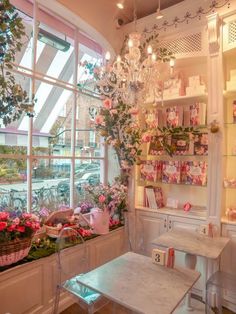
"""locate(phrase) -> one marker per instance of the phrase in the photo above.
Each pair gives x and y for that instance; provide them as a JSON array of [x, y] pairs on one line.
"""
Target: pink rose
[[113, 111], [4, 216], [133, 110], [146, 138], [16, 221], [101, 199], [26, 216], [3, 225], [99, 120], [107, 103]]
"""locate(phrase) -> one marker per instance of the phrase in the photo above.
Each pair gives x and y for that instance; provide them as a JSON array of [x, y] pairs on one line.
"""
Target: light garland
[[189, 16]]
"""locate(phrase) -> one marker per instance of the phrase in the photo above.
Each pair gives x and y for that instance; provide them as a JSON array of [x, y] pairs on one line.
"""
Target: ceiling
[[106, 18], [143, 8]]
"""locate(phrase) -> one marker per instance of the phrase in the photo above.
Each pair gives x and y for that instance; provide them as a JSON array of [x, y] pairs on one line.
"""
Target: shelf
[[229, 93], [185, 99], [153, 157], [229, 124], [193, 213], [146, 183]]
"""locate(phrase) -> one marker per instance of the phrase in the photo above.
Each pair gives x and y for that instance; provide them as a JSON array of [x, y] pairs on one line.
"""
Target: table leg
[[190, 262]]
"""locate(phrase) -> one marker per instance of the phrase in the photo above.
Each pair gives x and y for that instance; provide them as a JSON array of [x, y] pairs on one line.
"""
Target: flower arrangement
[[110, 197], [17, 227], [118, 123]]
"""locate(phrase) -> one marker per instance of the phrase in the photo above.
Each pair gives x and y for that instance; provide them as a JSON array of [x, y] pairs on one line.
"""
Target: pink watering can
[[98, 220]]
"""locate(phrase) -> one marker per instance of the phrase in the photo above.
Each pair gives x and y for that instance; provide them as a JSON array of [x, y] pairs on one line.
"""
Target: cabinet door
[[190, 225], [148, 227], [228, 258]]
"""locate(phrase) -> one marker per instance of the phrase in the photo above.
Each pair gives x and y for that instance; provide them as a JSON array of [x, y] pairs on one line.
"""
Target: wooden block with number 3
[[158, 256]]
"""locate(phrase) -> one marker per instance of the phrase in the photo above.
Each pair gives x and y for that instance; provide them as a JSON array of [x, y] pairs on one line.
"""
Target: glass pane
[[13, 184], [88, 141], [51, 184], [87, 172]]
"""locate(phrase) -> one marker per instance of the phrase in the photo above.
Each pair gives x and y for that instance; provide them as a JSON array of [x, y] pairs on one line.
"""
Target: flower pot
[[13, 251], [99, 220]]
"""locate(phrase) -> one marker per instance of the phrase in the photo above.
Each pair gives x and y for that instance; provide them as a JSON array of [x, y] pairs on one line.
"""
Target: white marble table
[[193, 244], [133, 281]]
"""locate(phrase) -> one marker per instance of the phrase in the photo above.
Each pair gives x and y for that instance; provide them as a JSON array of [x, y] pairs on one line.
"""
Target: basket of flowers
[[16, 234], [59, 220]]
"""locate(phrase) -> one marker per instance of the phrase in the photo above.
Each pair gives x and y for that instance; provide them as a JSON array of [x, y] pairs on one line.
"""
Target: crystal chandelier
[[139, 75]]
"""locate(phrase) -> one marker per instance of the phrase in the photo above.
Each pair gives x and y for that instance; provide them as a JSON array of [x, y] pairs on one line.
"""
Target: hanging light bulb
[[120, 5], [108, 56], [159, 15]]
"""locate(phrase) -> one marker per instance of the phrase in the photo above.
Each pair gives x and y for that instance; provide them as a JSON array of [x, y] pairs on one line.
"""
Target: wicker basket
[[13, 251]]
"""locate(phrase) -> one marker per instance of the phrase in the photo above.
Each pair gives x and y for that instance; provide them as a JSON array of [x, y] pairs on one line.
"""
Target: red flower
[[26, 215], [11, 228], [4, 216], [3, 225], [20, 228]]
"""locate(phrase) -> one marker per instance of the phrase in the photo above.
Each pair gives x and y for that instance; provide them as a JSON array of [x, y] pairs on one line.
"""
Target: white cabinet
[[228, 261], [149, 225]]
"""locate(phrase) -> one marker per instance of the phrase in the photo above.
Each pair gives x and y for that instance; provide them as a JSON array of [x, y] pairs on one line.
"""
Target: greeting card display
[[201, 144], [171, 172], [180, 144], [156, 147], [198, 114], [148, 170], [174, 116], [153, 197], [194, 172], [151, 118]]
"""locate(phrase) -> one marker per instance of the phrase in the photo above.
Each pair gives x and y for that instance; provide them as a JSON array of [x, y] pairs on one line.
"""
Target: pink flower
[[16, 221], [107, 103], [133, 110], [99, 120], [101, 199], [26, 216], [113, 111], [4, 216], [3, 225], [146, 138]]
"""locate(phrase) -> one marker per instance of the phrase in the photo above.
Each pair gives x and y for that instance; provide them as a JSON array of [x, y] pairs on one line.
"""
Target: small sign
[[158, 256]]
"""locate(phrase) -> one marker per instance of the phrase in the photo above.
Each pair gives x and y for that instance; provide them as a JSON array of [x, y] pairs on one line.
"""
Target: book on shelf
[[197, 114], [180, 144], [174, 116], [194, 172], [154, 118], [201, 144], [153, 197], [171, 171], [155, 146]]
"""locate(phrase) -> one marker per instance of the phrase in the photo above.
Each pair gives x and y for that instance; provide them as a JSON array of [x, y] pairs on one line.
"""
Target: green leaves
[[12, 96]]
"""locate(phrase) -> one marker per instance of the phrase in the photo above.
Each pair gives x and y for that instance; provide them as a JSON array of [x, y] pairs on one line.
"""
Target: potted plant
[[109, 201], [16, 233]]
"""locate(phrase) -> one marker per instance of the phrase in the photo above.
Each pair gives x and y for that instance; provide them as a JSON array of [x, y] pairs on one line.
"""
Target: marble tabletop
[[133, 281], [192, 243]]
